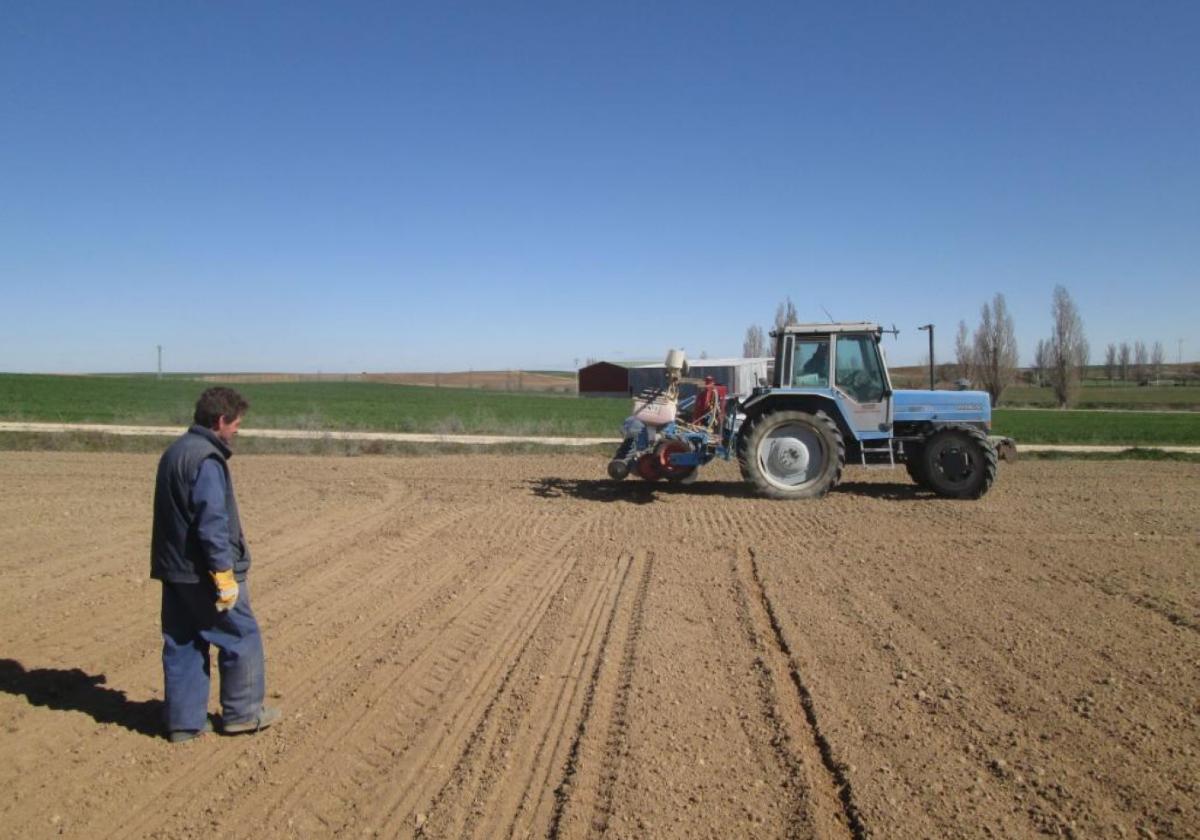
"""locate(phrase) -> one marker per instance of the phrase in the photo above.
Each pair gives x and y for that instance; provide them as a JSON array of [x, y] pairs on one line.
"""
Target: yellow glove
[[227, 589]]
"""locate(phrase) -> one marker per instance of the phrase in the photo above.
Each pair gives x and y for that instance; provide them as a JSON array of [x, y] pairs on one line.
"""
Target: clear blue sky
[[398, 186]]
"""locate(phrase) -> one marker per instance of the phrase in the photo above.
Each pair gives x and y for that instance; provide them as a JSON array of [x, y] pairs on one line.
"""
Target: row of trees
[[989, 356], [1123, 363]]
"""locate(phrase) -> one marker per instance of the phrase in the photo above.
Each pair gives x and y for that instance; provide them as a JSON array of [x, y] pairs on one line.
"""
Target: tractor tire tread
[[987, 451], [750, 473]]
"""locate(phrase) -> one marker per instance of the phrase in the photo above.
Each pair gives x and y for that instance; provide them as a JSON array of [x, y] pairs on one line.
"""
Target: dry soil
[[498, 646]]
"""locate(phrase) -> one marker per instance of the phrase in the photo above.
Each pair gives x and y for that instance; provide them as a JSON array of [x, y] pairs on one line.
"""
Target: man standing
[[199, 553]]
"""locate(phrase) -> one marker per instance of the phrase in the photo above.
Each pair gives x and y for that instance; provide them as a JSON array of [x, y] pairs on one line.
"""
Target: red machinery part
[[648, 467], [710, 396], [662, 454]]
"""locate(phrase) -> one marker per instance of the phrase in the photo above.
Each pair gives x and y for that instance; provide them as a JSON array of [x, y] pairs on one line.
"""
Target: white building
[[738, 375]]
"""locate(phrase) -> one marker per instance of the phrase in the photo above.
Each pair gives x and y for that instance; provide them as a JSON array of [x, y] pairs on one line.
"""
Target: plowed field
[[499, 646]]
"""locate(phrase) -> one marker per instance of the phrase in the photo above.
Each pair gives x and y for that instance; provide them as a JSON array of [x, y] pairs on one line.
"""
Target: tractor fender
[[781, 401]]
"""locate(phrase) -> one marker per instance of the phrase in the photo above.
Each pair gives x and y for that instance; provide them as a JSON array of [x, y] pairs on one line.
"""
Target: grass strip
[[1124, 428]]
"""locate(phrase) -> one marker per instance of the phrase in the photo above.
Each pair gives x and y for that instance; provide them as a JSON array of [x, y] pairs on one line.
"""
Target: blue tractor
[[830, 403]]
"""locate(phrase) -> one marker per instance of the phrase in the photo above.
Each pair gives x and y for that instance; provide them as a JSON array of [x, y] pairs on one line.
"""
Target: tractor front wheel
[[958, 462], [792, 454], [915, 465]]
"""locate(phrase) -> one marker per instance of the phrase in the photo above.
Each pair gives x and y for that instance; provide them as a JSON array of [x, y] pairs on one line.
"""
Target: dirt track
[[494, 646]]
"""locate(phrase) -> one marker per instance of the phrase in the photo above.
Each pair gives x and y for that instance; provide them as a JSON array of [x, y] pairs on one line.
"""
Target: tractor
[[830, 402]]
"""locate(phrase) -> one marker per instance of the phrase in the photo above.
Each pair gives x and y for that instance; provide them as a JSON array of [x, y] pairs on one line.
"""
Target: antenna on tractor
[[826, 311], [893, 332]]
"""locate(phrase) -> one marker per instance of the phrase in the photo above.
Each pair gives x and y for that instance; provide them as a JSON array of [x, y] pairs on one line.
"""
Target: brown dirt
[[495, 646]]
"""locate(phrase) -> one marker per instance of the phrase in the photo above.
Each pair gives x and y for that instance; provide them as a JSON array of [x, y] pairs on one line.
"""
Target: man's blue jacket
[[197, 528]]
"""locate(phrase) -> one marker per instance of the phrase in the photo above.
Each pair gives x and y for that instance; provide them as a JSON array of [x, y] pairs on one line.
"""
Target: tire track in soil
[[834, 814], [343, 672], [371, 739], [542, 806], [527, 722], [316, 618], [617, 737], [774, 756], [832, 809], [878, 626], [1110, 746], [986, 740], [1169, 613], [437, 745], [116, 624], [578, 772], [331, 668], [1161, 607]]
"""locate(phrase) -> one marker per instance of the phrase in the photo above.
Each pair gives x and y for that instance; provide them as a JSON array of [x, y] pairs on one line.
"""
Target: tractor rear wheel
[[958, 462], [792, 454]]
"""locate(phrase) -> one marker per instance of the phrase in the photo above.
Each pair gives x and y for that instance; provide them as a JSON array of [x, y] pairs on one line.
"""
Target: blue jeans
[[190, 623]]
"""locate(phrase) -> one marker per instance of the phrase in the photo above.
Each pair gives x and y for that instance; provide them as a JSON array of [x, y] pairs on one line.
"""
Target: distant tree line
[[1123, 364], [989, 355]]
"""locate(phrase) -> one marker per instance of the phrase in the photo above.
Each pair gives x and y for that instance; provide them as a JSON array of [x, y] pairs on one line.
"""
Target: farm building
[[738, 375], [604, 379]]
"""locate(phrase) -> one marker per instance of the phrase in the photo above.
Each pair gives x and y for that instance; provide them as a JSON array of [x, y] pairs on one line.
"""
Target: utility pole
[[930, 328], [159, 346], [1179, 353]]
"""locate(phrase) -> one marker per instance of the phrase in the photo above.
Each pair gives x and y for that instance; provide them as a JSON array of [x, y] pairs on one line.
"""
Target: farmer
[[199, 553]]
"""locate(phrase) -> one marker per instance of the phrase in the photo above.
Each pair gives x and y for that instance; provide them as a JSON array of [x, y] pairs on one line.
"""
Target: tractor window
[[859, 373], [810, 363]]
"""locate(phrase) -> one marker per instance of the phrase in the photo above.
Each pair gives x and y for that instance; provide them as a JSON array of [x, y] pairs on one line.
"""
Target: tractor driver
[[817, 364]]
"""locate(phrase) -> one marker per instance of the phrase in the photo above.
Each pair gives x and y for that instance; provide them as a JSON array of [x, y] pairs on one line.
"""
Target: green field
[[1095, 393], [1110, 395], [143, 400], [1098, 427]]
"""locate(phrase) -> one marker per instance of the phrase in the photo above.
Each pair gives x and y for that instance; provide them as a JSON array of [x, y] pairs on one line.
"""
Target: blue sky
[[398, 186]]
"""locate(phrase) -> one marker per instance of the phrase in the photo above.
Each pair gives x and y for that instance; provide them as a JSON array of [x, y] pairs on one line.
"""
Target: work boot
[[265, 717], [178, 736]]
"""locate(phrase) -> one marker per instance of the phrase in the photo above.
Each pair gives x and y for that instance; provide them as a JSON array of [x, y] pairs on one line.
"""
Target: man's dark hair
[[216, 403]]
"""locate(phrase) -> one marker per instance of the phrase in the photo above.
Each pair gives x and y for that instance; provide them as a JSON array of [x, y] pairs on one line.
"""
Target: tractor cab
[[843, 362]]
